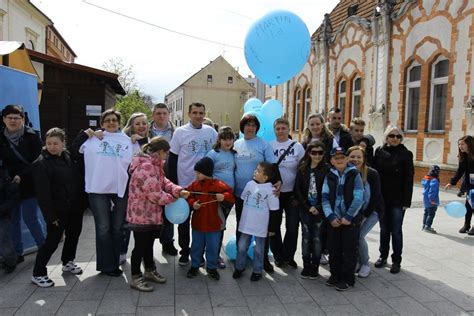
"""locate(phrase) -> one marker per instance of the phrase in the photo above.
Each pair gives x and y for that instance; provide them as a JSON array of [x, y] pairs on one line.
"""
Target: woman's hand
[[447, 186], [184, 194], [196, 205], [89, 132], [16, 179], [135, 137], [99, 134], [277, 188]]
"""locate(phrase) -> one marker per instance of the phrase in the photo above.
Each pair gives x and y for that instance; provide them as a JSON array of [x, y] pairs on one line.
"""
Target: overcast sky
[[162, 60]]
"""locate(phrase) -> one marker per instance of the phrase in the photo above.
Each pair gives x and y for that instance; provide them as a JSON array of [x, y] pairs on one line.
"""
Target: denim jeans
[[125, 237], [285, 250], [209, 241], [243, 247], [28, 210], [6, 245], [108, 225], [391, 227], [311, 242], [429, 216], [366, 226]]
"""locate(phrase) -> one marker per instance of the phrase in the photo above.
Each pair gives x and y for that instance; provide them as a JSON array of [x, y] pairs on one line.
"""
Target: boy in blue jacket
[[342, 199], [430, 185]]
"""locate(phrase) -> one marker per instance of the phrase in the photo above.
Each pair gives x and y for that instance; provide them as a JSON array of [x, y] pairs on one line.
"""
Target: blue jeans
[[391, 226], [311, 242], [6, 244], [28, 209], [208, 240], [108, 225], [429, 216], [366, 226], [243, 247]]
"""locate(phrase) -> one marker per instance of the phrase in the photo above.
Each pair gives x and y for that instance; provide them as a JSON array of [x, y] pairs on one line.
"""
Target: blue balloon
[[277, 46], [252, 104], [455, 209], [251, 250], [178, 211], [231, 248]]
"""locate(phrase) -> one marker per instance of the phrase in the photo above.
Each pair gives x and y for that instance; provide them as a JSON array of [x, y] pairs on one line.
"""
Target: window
[[307, 103], [412, 98], [342, 98], [209, 78], [230, 79], [297, 121], [55, 41], [356, 87], [439, 95], [30, 45]]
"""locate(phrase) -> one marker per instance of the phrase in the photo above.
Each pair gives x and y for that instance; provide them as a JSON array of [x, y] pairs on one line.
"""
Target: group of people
[[333, 183]]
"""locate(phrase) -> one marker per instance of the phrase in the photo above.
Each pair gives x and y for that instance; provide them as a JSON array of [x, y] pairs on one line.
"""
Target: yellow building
[[219, 86]]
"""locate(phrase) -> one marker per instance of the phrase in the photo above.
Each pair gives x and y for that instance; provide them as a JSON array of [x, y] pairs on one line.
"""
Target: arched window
[[356, 87], [412, 97], [341, 103], [296, 112], [307, 103], [439, 95], [30, 45]]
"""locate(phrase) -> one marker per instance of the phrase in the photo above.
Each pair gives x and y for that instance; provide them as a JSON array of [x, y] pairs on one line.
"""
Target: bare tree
[[126, 74]]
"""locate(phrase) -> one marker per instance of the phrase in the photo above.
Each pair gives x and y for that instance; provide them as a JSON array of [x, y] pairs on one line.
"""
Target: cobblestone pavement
[[437, 278]]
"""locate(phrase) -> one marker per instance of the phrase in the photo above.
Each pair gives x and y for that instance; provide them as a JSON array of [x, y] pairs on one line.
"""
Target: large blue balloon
[[252, 104], [277, 46], [178, 211], [455, 209], [266, 115], [231, 248]]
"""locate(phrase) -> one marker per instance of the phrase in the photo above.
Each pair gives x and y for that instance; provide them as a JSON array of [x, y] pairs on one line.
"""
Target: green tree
[[131, 103]]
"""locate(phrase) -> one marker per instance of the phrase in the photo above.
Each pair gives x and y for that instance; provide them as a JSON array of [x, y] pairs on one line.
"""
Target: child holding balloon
[[430, 184], [207, 198], [149, 190]]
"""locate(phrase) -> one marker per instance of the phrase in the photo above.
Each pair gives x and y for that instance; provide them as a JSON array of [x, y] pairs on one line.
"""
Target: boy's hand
[[277, 188], [345, 222], [313, 210], [196, 205], [184, 194], [16, 179], [270, 234], [335, 223], [447, 186], [220, 197]]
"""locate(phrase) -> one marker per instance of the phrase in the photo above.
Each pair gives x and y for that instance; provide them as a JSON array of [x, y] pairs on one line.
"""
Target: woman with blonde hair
[[137, 128], [316, 130]]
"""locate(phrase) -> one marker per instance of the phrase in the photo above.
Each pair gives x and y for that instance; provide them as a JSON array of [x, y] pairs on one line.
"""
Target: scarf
[[14, 137]]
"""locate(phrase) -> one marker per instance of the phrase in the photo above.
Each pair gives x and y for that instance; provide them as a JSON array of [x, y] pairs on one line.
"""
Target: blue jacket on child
[[430, 191]]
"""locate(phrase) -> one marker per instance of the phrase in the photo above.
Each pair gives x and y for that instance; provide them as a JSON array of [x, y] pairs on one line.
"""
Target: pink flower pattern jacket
[[149, 191]]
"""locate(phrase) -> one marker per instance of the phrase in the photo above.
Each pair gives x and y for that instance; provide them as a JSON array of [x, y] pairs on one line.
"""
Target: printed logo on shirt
[[200, 147], [279, 152], [224, 166], [112, 149], [254, 200], [244, 154]]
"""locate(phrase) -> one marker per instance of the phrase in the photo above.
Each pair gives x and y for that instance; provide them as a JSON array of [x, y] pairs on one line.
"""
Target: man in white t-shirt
[[288, 154], [189, 144]]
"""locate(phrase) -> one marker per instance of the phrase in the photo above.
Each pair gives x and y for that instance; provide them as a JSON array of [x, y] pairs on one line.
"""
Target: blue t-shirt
[[224, 166], [250, 152]]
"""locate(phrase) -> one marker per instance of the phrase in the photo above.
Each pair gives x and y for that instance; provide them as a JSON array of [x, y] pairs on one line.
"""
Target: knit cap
[[434, 171], [205, 166]]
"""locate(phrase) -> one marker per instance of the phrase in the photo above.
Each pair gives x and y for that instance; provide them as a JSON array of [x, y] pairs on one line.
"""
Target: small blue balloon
[[277, 46], [252, 104], [251, 250], [177, 212], [455, 209], [231, 248]]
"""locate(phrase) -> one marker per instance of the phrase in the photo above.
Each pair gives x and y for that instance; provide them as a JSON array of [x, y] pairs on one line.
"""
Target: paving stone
[[291, 292], [90, 289], [72, 308], [42, 303], [298, 309], [7, 311], [444, 308], [418, 291], [156, 311], [119, 301], [407, 306], [231, 311], [226, 295], [265, 305], [163, 295], [367, 303], [250, 288], [16, 294], [381, 287], [341, 310], [193, 305], [324, 295]]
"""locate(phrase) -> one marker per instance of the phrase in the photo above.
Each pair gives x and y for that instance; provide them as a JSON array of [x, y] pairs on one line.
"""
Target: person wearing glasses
[[394, 162], [20, 145], [312, 170]]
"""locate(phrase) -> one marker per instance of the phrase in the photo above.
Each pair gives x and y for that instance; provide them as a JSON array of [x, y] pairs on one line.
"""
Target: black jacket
[[59, 185], [396, 170], [302, 186], [9, 193], [465, 168], [376, 203], [30, 148], [345, 139]]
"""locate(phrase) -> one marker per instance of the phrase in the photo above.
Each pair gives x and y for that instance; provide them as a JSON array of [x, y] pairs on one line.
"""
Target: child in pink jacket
[[149, 190]]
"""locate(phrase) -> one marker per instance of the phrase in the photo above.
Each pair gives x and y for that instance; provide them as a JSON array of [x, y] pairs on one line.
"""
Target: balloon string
[[203, 193], [209, 202]]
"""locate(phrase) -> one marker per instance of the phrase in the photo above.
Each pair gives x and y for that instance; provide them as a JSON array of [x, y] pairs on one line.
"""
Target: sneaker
[[237, 273], [305, 273], [471, 232], [255, 276], [139, 283], [267, 266], [429, 230], [380, 263], [169, 249], [192, 272], [220, 263], [332, 281], [313, 275], [395, 268], [292, 263], [154, 276], [464, 229], [364, 271], [122, 258], [72, 267], [324, 260], [342, 286], [183, 260], [115, 273], [213, 274], [42, 281]]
